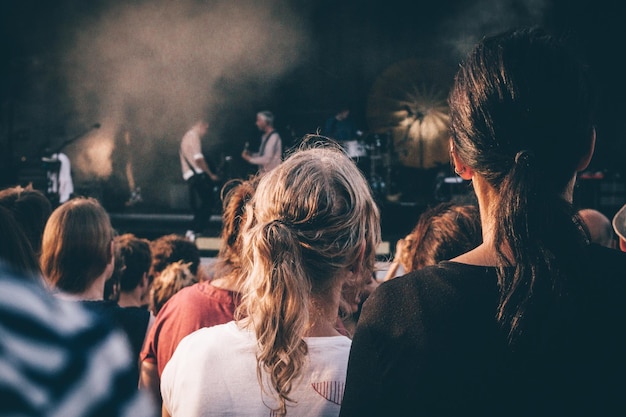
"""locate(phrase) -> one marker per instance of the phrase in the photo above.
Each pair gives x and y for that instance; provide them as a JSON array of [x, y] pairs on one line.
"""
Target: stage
[[397, 221], [398, 217]]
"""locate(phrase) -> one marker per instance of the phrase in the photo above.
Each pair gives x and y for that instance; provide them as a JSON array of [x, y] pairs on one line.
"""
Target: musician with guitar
[[198, 175], [270, 152]]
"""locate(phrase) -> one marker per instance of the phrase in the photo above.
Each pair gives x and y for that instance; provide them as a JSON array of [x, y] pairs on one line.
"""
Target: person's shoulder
[[606, 259], [602, 253], [183, 302], [134, 313], [204, 338], [91, 355], [441, 276], [192, 297], [607, 264], [220, 295], [194, 302], [435, 288], [26, 298]]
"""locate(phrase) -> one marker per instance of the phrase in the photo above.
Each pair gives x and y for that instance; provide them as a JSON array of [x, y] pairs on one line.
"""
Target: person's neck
[[130, 299], [485, 253], [323, 314], [227, 282], [94, 293]]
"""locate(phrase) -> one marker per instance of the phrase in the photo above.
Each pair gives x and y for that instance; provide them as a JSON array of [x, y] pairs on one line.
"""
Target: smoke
[[485, 17], [154, 67]]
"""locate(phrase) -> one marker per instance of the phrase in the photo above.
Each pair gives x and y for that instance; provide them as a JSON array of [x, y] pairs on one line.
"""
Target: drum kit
[[408, 118], [373, 155]]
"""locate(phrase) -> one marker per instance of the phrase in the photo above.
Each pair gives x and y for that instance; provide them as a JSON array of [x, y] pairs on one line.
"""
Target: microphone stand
[[68, 141]]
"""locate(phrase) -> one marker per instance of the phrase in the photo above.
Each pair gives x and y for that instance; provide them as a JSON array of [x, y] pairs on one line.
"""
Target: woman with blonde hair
[[172, 279], [312, 227]]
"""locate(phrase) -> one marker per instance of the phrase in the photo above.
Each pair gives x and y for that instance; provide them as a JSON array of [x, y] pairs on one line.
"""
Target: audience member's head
[[312, 226], [31, 209], [522, 125], [236, 194], [15, 249], [598, 227], [172, 279], [77, 247], [170, 248], [134, 257], [619, 225], [442, 232]]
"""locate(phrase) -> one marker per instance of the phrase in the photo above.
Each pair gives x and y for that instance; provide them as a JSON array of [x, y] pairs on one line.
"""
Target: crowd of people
[[511, 306]]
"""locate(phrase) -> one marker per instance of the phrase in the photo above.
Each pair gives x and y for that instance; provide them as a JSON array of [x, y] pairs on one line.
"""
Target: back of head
[[76, 244], [522, 119], [319, 202], [598, 227], [135, 259], [31, 209], [442, 232], [522, 96], [311, 219], [172, 279], [15, 249], [236, 195], [170, 248]]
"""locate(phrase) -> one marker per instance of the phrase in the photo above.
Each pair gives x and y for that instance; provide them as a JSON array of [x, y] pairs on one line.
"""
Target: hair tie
[[524, 156]]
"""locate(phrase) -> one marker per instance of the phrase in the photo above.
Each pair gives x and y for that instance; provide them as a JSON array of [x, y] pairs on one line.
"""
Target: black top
[[428, 343], [133, 320]]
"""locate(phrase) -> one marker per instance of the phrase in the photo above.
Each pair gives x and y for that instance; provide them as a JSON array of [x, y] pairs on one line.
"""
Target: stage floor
[[150, 222]]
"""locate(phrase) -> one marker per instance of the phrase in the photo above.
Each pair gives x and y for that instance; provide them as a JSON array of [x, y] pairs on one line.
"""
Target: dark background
[[152, 67]]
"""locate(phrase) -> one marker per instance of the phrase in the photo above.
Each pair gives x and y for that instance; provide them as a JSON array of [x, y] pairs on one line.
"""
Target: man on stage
[[270, 152], [198, 176]]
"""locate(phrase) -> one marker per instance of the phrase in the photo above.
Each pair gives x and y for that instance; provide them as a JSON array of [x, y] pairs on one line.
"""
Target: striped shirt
[[58, 359]]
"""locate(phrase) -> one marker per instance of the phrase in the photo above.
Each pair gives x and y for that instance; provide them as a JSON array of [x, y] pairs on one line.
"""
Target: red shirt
[[192, 308]]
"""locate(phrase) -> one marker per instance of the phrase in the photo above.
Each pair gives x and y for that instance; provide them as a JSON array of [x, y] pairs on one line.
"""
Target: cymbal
[[408, 101]]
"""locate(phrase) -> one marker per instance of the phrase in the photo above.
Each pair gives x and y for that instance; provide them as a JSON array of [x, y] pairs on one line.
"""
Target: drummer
[[341, 127]]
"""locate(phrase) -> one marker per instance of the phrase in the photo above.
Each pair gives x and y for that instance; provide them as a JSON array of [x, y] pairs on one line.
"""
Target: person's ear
[[144, 280], [460, 168], [112, 251], [586, 158]]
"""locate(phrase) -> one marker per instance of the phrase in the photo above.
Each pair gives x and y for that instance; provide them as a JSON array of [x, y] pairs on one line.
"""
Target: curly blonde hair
[[172, 279], [310, 218]]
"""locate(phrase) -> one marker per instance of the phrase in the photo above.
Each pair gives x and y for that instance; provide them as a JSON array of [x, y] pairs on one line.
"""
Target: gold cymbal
[[408, 101]]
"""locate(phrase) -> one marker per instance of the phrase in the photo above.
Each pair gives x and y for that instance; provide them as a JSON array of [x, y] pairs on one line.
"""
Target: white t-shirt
[[213, 373], [190, 151]]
